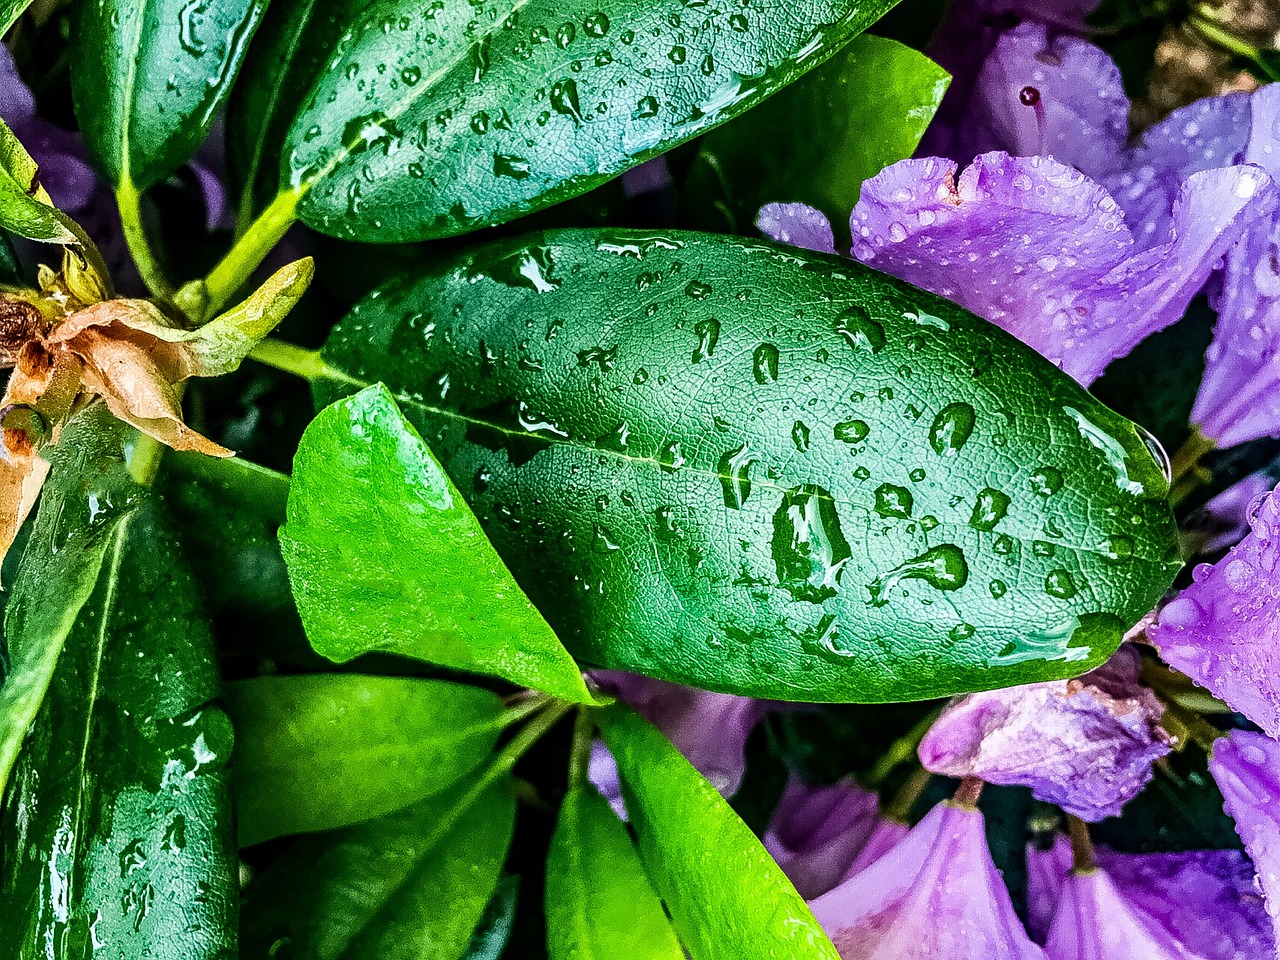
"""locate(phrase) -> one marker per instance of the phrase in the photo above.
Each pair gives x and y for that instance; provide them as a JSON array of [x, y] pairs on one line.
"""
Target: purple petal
[[1087, 744], [1220, 631], [602, 773], [17, 105], [1041, 250], [817, 833], [1048, 94], [710, 729], [1224, 520], [1246, 766], [1093, 920], [1229, 922], [937, 894], [798, 225]]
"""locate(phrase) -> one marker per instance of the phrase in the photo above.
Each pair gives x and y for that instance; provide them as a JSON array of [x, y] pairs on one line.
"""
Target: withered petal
[[20, 483]]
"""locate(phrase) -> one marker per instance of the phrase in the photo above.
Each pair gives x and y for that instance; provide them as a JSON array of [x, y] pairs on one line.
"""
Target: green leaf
[[600, 904], [431, 125], [148, 78], [324, 751], [117, 832], [25, 207], [86, 496], [493, 931], [727, 896], [820, 125], [384, 554], [409, 886], [767, 472], [10, 11]]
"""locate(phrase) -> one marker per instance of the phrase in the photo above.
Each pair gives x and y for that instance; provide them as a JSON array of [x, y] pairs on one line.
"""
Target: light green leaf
[[864, 109], [728, 898], [417, 126], [328, 750], [116, 833], [384, 554], [600, 904], [149, 77], [10, 11], [753, 469], [408, 886], [86, 496]]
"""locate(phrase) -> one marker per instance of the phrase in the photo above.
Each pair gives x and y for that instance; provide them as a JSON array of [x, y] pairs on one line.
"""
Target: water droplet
[[697, 289], [676, 54], [1046, 481], [942, 567], [617, 439], [509, 165], [1042, 548], [738, 23], [708, 332], [1059, 583], [928, 523], [670, 457], [371, 130], [929, 320], [951, 428], [764, 363], [962, 631], [530, 268], [808, 546], [990, 507], [564, 99], [997, 589], [851, 431], [602, 357], [735, 475], [894, 501], [1003, 546], [916, 475], [800, 435], [856, 326], [480, 482], [1117, 548], [641, 376], [565, 34], [603, 541], [665, 527], [861, 473], [537, 423], [597, 25], [411, 75], [645, 107], [187, 37]]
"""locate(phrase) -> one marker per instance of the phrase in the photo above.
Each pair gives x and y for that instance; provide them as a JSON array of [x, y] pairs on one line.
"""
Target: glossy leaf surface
[[116, 834], [767, 472], [328, 750], [408, 886], [427, 124], [818, 127], [600, 904], [86, 496], [148, 78], [727, 895], [384, 554]]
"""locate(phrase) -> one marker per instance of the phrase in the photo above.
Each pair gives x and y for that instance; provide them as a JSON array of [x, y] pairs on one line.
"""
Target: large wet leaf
[[409, 886], [328, 750], [431, 122], [148, 78], [768, 472], [819, 128], [384, 554], [600, 904], [86, 496], [727, 896], [116, 832]]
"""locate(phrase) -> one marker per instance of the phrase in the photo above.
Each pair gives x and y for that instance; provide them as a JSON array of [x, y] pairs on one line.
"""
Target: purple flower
[[821, 836], [1223, 521], [710, 729], [1086, 744], [1146, 896], [1043, 251], [935, 896], [1220, 631], [1246, 766]]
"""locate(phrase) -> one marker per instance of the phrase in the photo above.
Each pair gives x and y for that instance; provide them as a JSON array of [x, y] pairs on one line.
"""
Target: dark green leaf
[[727, 895], [409, 886], [86, 496], [600, 904], [430, 125], [117, 836], [148, 78], [751, 469], [324, 751], [493, 932], [384, 554], [818, 131]]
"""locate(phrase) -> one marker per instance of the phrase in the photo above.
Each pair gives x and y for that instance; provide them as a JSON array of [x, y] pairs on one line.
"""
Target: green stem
[[143, 459], [249, 251], [1186, 469], [1226, 40], [129, 201], [901, 750], [291, 358], [1081, 845], [580, 751], [898, 809], [1189, 727]]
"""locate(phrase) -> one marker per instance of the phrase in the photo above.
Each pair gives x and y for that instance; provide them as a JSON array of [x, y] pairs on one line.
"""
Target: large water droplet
[[536, 422], [951, 428], [764, 363], [808, 546], [800, 435], [708, 332], [856, 326], [1046, 481], [990, 507], [942, 567], [509, 165], [735, 475], [894, 501], [670, 457], [665, 527], [564, 99], [851, 431], [1059, 583], [370, 130]]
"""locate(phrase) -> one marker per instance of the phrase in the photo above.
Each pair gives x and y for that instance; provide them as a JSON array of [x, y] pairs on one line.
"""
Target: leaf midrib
[[341, 376]]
